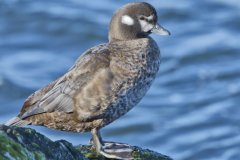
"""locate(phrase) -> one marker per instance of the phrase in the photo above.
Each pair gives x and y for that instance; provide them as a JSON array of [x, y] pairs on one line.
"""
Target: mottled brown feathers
[[64, 121], [35, 97], [104, 84]]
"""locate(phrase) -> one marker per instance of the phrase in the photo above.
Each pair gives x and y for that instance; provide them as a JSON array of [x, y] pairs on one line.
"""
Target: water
[[191, 111]]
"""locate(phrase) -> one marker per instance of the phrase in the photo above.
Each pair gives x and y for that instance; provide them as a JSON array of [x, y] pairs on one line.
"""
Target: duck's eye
[[142, 18]]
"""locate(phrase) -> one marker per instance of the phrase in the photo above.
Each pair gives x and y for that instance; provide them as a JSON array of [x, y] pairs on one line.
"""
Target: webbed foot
[[117, 150], [111, 149]]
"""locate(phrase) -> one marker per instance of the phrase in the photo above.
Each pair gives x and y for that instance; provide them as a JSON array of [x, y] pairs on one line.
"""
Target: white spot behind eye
[[126, 19]]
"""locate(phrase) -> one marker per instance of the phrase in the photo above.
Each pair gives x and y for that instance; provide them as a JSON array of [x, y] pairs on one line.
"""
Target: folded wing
[[76, 90]]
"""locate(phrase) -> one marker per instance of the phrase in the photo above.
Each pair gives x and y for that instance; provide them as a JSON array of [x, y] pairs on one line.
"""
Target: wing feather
[[61, 96]]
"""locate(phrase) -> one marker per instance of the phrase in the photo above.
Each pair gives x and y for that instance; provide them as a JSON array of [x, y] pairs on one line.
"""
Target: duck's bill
[[158, 29]]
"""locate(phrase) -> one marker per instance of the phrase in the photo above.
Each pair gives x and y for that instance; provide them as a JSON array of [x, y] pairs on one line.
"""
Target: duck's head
[[135, 20]]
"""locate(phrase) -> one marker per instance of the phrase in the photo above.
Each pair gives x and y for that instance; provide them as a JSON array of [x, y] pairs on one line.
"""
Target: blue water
[[192, 110]]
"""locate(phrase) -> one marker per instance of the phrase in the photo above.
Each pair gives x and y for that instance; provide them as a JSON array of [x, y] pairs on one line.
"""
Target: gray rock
[[26, 144]]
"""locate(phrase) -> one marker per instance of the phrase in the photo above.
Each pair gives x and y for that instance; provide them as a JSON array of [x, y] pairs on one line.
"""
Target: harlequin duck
[[104, 83]]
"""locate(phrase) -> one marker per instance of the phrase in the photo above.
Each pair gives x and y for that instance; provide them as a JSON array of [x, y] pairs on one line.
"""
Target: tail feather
[[16, 121]]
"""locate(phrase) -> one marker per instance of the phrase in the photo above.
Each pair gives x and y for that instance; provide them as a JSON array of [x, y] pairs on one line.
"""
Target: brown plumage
[[105, 82], [92, 93]]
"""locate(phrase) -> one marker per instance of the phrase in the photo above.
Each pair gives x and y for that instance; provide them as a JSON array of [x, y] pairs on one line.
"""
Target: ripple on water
[[42, 66]]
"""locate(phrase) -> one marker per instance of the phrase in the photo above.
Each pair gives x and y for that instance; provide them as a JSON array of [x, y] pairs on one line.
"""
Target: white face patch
[[145, 25], [150, 17], [126, 19]]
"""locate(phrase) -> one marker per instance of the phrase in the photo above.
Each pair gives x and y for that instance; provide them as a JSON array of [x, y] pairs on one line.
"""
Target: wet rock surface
[[25, 143]]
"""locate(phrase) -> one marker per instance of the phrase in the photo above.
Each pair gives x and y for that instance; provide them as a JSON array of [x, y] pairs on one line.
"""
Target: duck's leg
[[111, 149]]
